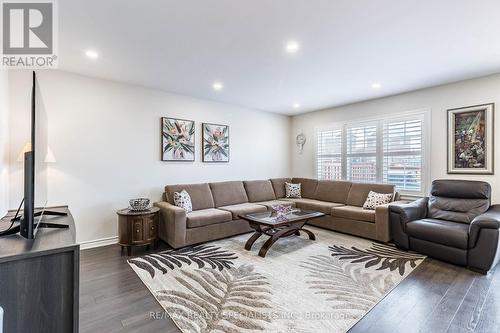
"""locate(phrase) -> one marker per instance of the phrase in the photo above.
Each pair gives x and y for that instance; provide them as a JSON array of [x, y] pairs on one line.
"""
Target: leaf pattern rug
[[301, 285]]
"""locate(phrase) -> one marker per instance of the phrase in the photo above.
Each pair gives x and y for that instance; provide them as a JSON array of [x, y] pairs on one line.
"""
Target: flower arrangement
[[282, 211]]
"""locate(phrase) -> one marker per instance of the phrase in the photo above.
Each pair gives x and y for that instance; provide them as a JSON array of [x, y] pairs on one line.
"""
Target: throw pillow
[[293, 190], [183, 200], [375, 199]]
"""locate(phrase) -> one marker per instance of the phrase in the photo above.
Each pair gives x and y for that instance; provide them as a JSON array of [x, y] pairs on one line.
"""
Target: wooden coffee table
[[268, 224]]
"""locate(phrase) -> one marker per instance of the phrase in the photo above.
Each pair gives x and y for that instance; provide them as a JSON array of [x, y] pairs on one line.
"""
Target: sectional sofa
[[217, 206]]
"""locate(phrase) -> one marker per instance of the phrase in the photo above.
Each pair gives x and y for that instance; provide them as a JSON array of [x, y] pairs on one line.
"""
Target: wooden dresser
[[39, 279]]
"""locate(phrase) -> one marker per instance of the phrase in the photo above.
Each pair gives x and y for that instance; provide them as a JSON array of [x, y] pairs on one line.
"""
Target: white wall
[[437, 99], [106, 139], [4, 143]]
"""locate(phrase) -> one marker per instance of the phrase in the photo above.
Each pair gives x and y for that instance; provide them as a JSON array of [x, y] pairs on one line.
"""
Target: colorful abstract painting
[[215, 143], [177, 139], [470, 140]]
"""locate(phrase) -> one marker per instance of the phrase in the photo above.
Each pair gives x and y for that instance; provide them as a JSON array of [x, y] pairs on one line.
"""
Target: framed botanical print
[[177, 139], [215, 143], [470, 140]]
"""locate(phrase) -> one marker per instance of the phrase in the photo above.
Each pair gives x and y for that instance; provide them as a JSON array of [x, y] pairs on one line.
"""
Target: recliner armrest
[[411, 211], [382, 228], [488, 220]]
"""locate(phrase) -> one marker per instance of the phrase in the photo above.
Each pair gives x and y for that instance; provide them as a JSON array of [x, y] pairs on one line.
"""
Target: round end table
[[138, 228]]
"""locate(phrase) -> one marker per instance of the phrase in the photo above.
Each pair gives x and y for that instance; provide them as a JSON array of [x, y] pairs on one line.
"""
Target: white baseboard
[[98, 242]]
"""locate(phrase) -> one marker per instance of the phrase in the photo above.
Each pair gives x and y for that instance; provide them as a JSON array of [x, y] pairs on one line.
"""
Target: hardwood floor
[[436, 297]]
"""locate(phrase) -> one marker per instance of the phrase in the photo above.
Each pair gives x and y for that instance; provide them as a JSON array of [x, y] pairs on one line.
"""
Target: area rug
[[326, 285]]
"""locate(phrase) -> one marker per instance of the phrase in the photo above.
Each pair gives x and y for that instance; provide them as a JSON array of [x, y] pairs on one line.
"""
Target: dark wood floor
[[436, 297]]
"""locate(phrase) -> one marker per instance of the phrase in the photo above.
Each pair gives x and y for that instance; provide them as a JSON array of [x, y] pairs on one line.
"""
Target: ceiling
[[185, 46]]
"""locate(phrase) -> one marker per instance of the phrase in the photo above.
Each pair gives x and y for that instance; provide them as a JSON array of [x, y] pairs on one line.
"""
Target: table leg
[[267, 245], [251, 240], [311, 235], [129, 250]]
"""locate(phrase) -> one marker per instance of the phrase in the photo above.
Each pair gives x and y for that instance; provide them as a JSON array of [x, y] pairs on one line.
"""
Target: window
[[403, 154], [361, 154], [329, 161], [387, 150]]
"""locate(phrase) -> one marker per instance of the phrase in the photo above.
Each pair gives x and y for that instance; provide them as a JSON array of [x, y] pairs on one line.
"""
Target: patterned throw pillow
[[293, 190], [375, 199], [183, 200]]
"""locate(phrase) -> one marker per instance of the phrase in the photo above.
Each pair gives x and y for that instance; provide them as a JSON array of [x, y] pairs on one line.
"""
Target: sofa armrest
[[172, 224], [382, 225], [410, 211], [488, 220]]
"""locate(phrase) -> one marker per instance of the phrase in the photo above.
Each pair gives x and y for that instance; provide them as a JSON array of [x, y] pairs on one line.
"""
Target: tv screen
[[35, 175], [41, 149], [35, 166]]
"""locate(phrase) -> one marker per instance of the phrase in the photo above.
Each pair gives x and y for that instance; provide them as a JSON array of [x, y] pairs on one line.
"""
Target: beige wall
[[437, 99], [106, 139]]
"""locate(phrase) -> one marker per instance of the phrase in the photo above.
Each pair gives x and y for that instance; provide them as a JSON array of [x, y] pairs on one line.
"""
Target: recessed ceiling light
[[292, 46], [91, 54], [296, 105], [376, 85], [217, 86]]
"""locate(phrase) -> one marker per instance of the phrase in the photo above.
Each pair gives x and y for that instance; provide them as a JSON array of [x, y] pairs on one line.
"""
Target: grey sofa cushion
[[308, 186], [359, 192], [354, 213], [244, 208], [279, 186], [259, 190], [228, 193], [332, 191], [203, 217], [439, 231], [201, 196], [315, 205]]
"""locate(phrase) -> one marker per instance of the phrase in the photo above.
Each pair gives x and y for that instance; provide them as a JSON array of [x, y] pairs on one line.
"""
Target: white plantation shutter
[[403, 154], [389, 150], [329, 154], [361, 155]]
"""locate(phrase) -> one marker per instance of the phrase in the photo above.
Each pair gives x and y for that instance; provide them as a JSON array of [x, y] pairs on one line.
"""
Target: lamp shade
[[26, 148], [49, 158]]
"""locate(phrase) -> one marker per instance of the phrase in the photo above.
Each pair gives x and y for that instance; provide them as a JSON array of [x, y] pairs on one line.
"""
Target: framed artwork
[[177, 139], [470, 140], [215, 143]]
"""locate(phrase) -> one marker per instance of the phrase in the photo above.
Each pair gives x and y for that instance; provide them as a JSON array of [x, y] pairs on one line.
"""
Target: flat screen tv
[[35, 175]]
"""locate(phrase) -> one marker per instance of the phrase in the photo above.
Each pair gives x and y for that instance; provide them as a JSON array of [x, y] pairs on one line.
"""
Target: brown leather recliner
[[456, 224]]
